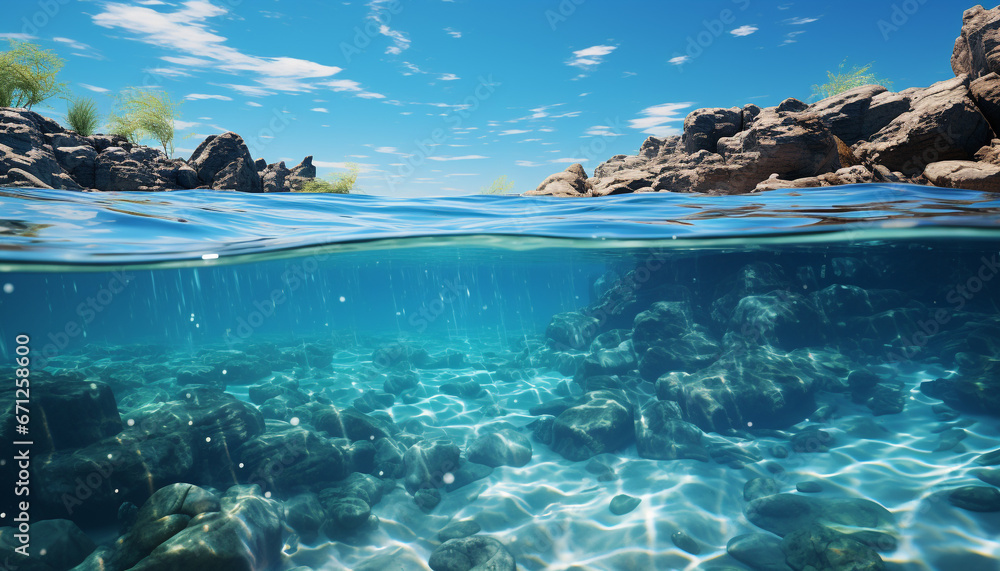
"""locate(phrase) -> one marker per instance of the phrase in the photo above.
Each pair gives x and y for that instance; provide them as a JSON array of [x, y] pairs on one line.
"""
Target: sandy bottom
[[553, 513]]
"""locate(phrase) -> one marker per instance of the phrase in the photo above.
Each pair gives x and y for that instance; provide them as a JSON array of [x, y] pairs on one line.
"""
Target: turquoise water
[[343, 377]]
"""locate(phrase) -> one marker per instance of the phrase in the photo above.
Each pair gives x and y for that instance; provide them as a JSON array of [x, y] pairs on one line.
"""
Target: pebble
[[809, 487], [684, 542], [623, 504]]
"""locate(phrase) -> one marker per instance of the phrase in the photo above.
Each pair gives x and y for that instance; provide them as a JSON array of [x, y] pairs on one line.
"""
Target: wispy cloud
[[589, 58], [320, 110], [184, 31], [461, 158], [200, 96], [800, 21], [453, 32], [528, 164], [448, 77], [514, 132], [743, 31], [656, 120], [679, 60], [93, 88], [602, 131]]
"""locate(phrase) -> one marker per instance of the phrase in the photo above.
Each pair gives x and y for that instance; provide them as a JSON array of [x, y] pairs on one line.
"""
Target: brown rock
[[571, 182], [969, 175], [977, 49]]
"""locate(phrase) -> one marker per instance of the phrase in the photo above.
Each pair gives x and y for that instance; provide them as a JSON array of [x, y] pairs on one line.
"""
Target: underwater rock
[[783, 514], [466, 474], [759, 551], [400, 356], [888, 398], [818, 547], [602, 423], [468, 389], [350, 423], [374, 400], [427, 462], [976, 387], [73, 414], [694, 350], [809, 487], [660, 434], [662, 325], [760, 488], [291, 458], [571, 330], [811, 439], [449, 360], [459, 529], [781, 318], [607, 362], [976, 498], [505, 447], [761, 388], [685, 542], [397, 384], [623, 504], [348, 504], [475, 553], [305, 515], [990, 476], [427, 499], [541, 429], [56, 545]]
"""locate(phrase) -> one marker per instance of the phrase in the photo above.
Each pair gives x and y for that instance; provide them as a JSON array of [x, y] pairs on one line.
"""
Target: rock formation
[[944, 135], [37, 152]]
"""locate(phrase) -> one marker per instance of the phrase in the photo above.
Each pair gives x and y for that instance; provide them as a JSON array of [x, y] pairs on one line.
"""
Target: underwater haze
[[789, 380]]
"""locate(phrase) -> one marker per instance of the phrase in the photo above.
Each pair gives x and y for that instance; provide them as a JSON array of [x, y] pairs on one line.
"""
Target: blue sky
[[441, 97]]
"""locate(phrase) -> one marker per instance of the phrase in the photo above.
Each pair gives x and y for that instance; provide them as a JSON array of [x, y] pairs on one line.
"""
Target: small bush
[[142, 113], [847, 80], [28, 75], [337, 184], [83, 117], [499, 186]]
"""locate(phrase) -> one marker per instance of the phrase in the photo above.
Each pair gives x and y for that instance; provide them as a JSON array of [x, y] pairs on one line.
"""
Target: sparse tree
[[342, 183], [845, 80], [499, 186], [28, 75], [145, 114], [82, 116]]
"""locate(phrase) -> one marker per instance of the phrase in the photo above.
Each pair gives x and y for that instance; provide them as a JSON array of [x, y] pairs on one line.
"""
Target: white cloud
[[200, 96], [743, 31], [182, 125], [527, 164], [453, 33], [654, 120], [800, 21], [590, 57], [400, 42], [73, 44], [514, 132], [167, 72], [449, 77], [248, 90], [568, 160], [21, 37], [184, 31], [461, 158], [602, 131], [679, 60], [254, 104], [93, 88], [320, 109]]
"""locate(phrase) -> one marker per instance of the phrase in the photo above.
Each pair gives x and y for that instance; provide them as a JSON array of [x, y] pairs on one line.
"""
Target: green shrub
[[145, 114], [342, 183], [846, 80], [28, 75], [83, 117], [499, 186]]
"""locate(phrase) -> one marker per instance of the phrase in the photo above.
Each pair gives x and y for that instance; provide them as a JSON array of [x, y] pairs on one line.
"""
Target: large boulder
[[74, 414], [969, 175], [275, 177], [569, 183], [116, 170], [601, 423], [224, 163], [857, 114], [704, 127], [977, 49], [505, 447], [476, 553], [661, 434], [427, 462], [24, 146], [943, 123]]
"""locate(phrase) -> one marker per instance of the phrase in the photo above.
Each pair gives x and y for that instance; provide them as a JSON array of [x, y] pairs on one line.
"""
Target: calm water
[[347, 382]]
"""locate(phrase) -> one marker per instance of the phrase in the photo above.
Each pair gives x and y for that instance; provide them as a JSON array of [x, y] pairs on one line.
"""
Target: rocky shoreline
[[37, 152], [943, 135]]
